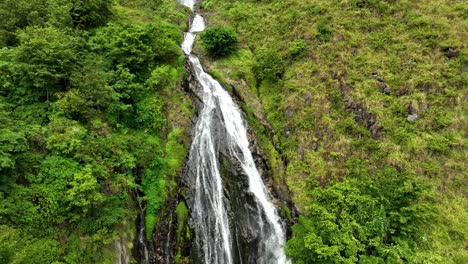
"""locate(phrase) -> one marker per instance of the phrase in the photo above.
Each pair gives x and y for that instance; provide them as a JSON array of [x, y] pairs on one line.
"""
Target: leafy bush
[[19, 14], [154, 187], [150, 113], [297, 47], [182, 216], [362, 219], [17, 248], [137, 46], [219, 41], [91, 13], [45, 58], [268, 65]]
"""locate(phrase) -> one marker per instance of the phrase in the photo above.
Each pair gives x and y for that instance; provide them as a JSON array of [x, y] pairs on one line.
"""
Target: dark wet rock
[[371, 120], [192, 87], [314, 145], [363, 117], [239, 203], [375, 131], [245, 215], [411, 110], [451, 52], [385, 89], [140, 245], [403, 90]]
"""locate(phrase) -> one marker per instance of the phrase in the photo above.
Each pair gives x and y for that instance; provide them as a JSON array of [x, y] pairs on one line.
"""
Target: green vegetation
[[91, 13], [358, 91], [268, 65], [182, 214], [85, 93], [219, 42], [365, 221], [359, 106], [297, 47]]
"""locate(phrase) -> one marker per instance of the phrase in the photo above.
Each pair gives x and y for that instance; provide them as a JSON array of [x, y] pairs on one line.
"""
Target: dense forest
[[359, 107], [89, 115]]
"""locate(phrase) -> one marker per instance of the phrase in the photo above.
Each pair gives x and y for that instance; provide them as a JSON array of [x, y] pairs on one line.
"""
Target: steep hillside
[[92, 123], [359, 107], [367, 102]]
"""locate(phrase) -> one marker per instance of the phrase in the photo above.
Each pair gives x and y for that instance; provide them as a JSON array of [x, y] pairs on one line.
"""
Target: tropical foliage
[[84, 92], [219, 41]]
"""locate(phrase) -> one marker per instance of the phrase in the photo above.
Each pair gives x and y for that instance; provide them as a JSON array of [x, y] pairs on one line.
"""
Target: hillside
[[356, 110], [92, 125], [367, 102]]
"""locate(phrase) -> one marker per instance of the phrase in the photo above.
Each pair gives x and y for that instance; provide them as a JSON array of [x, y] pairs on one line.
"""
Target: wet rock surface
[[242, 207]]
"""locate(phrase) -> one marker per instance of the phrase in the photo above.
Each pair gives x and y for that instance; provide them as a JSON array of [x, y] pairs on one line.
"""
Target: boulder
[[403, 90], [385, 89], [412, 118]]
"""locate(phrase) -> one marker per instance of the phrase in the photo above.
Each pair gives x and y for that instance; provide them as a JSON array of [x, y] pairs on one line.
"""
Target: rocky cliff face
[[241, 204], [173, 238]]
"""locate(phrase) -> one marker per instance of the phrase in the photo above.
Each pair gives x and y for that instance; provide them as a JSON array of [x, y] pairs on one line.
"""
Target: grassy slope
[[323, 107]]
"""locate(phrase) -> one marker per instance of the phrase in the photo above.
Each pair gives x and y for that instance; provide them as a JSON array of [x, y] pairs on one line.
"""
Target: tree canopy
[[84, 89]]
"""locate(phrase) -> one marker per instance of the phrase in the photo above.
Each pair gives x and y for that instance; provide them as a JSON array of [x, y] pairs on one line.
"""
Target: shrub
[[91, 14], [297, 47], [268, 65], [137, 46], [324, 31], [363, 219], [219, 41], [45, 57]]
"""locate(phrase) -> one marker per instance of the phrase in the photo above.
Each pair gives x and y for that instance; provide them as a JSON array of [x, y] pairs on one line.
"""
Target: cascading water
[[245, 228], [141, 243]]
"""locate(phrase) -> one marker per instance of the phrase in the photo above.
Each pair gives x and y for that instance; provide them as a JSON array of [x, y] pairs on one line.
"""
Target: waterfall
[[122, 255], [141, 243], [220, 236]]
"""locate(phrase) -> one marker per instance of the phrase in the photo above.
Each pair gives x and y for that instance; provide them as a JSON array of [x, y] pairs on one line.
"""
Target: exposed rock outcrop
[[240, 202], [361, 114]]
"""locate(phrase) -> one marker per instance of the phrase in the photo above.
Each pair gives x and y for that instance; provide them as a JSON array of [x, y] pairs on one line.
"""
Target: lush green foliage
[[268, 65], [339, 81], [91, 13], [358, 220], [183, 231], [33, 250], [83, 122], [219, 41], [297, 47], [18, 14], [366, 101]]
